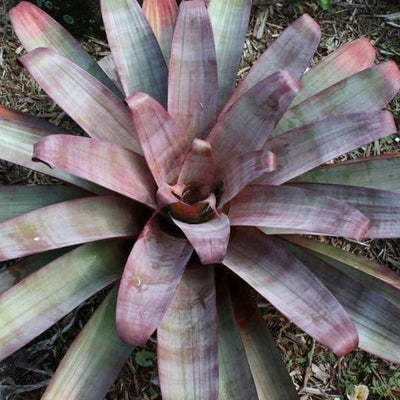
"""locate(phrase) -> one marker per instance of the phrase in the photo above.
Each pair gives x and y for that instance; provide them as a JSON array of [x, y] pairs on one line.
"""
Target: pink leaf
[[380, 206], [199, 165], [377, 320], [349, 59], [209, 239], [95, 108], [246, 124], [192, 102], [187, 349], [244, 169], [309, 146], [162, 16], [35, 28], [291, 51], [105, 164], [286, 283], [367, 91], [140, 64], [292, 208], [163, 144], [152, 272], [71, 222]]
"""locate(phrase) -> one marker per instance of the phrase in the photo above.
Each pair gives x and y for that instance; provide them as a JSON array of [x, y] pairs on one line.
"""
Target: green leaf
[[36, 303], [145, 358], [94, 359]]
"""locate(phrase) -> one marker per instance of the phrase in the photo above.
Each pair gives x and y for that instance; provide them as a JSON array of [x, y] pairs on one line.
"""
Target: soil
[[316, 372]]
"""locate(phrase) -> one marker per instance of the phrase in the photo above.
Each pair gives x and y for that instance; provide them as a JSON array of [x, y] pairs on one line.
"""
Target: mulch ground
[[316, 372]]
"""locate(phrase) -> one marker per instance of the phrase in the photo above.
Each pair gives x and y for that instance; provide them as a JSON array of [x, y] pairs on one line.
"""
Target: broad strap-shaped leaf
[[151, 275], [68, 223], [94, 107], [229, 20], [107, 64], [245, 126], [209, 239], [46, 296], [380, 206], [351, 262], [307, 147], [29, 120], [342, 63], [19, 199], [368, 91], [199, 165], [379, 172], [243, 169], [193, 80], [94, 359], [377, 320], [35, 28], [287, 284], [187, 348], [164, 145], [161, 15], [269, 371], [106, 164], [140, 64], [11, 275], [17, 139], [235, 379], [291, 51], [293, 208]]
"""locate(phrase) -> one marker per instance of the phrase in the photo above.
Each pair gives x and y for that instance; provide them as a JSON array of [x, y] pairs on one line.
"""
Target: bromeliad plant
[[204, 178]]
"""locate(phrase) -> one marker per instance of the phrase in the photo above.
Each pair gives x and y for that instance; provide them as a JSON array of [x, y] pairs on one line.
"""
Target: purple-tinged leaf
[[349, 59], [291, 51], [293, 208], [140, 64], [378, 172], [245, 126], [151, 275], [29, 121], [368, 91], [229, 20], [350, 262], [68, 223], [163, 144], [380, 206], [285, 282], [162, 17], [19, 199], [16, 145], [187, 349], [105, 164], [209, 239], [95, 108], [268, 369], [166, 195], [11, 275], [199, 165], [235, 379], [35, 28], [107, 64], [40, 300], [80, 376], [377, 320], [193, 80], [307, 147], [243, 169]]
